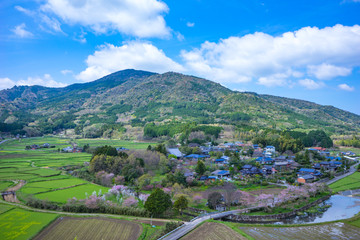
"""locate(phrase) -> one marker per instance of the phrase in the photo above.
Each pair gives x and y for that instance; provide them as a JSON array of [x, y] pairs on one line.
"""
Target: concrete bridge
[[188, 226]]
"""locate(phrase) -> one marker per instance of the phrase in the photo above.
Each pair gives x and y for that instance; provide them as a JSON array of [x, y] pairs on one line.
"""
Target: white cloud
[[310, 84], [45, 80], [6, 83], [141, 18], [48, 24], [66, 71], [20, 31], [190, 24], [346, 87], [327, 71], [137, 55], [307, 52]]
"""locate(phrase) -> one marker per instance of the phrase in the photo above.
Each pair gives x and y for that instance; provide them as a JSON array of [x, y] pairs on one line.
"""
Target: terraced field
[[347, 183], [90, 228], [78, 192], [338, 230]]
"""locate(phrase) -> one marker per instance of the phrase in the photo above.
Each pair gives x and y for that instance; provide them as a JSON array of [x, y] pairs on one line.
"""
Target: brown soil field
[[266, 191], [90, 228], [213, 231]]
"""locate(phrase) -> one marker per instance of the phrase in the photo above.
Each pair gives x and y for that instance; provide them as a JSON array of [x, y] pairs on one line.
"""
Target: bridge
[[188, 226]]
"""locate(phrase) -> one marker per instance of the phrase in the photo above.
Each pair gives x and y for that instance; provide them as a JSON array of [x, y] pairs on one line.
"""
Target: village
[[239, 161]]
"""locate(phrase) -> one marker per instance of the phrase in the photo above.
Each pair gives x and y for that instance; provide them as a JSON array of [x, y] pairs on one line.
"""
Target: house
[[196, 157], [193, 145], [280, 158], [203, 178], [221, 173], [265, 160], [250, 170], [255, 146], [282, 166], [220, 161], [35, 146], [269, 150], [267, 170], [46, 145], [67, 149], [306, 171], [120, 149], [308, 178], [176, 152]]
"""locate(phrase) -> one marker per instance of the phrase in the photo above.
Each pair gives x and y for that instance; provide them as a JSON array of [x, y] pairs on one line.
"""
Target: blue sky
[[300, 49]]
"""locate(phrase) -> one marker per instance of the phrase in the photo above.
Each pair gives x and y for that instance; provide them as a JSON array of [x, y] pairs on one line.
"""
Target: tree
[[214, 199], [143, 181], [200, 168], [158, 202], [181, 203]]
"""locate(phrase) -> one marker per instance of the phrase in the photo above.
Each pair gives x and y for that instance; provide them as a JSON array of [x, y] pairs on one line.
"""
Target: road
[[188, 226], [353, 169]]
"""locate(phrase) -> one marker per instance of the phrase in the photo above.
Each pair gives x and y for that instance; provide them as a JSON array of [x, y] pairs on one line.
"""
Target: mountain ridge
[[137, 97]]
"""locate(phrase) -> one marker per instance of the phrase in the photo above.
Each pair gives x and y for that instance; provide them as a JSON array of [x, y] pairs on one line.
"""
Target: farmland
[[91, 228], [21, 224], [347, 183], [337, 230], [213, 231], [78, 192]]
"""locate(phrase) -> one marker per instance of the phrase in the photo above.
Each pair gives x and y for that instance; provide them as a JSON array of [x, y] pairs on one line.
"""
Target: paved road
[[188, 226], [353, 169], [5, 140]]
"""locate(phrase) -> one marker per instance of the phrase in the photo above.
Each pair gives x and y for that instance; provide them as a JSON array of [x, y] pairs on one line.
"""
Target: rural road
[[351, 171], [188, 226]]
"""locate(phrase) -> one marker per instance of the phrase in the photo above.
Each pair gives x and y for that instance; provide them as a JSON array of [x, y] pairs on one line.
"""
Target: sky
[[304, 49]]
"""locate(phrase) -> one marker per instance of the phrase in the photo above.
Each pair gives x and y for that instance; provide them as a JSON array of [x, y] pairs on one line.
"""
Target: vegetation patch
[[347, 183], [78, 192], [21, 224]]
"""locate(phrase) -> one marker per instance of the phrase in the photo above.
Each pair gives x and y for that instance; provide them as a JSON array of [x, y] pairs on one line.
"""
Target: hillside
[[139, 97]]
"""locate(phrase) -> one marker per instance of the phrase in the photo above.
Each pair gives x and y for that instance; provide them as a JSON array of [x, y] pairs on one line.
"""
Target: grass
[[5, 208], [347, 183], [21, 224], [91, 228], [5, 184], [61, 196]]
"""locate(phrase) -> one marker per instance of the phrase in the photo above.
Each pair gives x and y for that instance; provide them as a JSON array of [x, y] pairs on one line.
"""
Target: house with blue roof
[[306, 171], [265, 160], [221, 173], [195, 156]]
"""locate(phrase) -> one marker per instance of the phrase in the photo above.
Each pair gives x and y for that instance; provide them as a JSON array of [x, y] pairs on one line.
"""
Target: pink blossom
[[130, 202]]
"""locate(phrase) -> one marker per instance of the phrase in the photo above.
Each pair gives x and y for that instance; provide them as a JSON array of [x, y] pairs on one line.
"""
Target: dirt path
[[12, 197]]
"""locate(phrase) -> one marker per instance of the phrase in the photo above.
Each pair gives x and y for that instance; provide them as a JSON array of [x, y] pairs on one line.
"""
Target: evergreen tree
[[158, 202]]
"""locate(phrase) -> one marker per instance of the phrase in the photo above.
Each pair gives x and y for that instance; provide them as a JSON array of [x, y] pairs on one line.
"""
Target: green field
[[78, 192], [4, 208], [91, 228], [5, 184], [347, 183], [21, 224]]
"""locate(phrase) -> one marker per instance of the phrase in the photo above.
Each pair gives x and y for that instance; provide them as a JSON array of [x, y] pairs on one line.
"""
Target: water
[[341, 207]]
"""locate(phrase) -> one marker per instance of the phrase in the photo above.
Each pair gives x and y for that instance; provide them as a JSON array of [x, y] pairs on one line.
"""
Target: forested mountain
[[132, 97]]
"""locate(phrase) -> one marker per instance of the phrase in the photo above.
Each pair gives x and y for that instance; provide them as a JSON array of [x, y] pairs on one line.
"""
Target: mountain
[[139, 97]]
